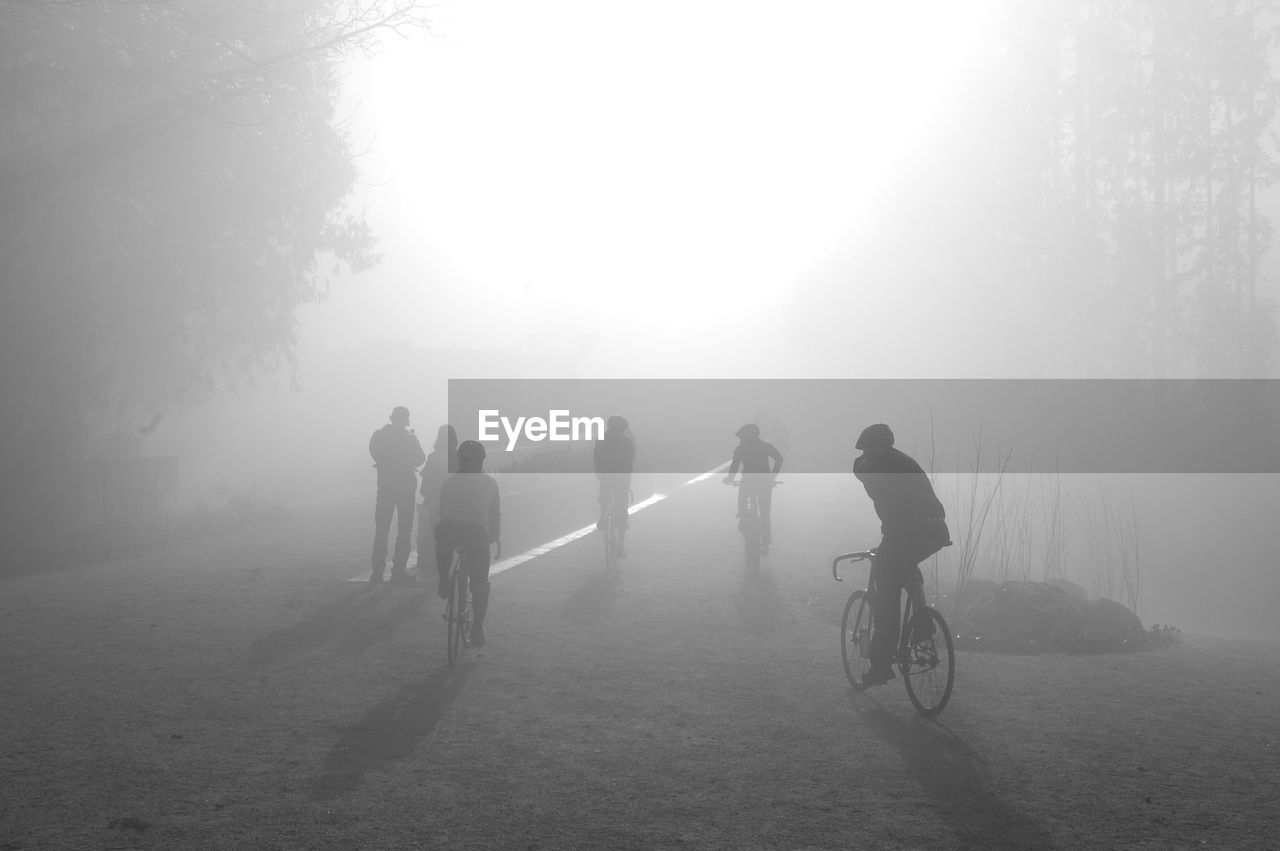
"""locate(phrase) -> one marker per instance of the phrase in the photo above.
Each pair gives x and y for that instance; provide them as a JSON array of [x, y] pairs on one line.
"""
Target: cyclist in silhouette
[[913, 526], [615, 455], [396, 453], [470, 518], [752, 455]]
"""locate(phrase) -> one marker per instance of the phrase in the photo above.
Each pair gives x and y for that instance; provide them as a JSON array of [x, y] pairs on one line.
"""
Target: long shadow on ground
[[956, 778], [390, 731], [355, 621], [381, 624]]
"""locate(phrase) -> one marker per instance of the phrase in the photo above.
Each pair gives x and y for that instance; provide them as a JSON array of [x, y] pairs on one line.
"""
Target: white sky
[[568, 166]]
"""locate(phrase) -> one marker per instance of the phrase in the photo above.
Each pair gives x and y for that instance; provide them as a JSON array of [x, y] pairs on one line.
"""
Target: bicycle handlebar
[[861, 555]]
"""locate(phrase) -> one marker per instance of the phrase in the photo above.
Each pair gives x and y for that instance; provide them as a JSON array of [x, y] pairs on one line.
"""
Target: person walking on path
[[396, 455], [614, 460]]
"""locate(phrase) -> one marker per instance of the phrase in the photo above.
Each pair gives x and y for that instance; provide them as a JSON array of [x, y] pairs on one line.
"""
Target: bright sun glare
[[705, 153]]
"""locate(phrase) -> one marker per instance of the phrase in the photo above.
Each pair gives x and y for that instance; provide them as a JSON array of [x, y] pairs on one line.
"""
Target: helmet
[[399, 414], [749, 430], [618, 422], [878, 436], [471, 450]]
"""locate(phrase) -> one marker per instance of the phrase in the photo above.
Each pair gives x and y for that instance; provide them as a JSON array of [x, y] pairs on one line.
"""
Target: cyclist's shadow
[[760, 606], [390, 731], [955, 777], [407, 605], [326, 625]]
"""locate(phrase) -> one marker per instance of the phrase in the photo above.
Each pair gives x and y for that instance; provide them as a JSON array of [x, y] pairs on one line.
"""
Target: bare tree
[[174, 186]]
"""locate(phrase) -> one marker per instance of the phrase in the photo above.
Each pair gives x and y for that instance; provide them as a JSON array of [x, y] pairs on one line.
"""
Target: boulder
[[976, 590], [1035, 616], [1111, 625], [1071, 588]]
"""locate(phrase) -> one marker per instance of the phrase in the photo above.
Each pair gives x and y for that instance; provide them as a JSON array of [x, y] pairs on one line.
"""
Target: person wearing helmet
[[913, 526], [773, 429], [442, 462], [615, 455], [470, 520], [396, 455], [753, 455]]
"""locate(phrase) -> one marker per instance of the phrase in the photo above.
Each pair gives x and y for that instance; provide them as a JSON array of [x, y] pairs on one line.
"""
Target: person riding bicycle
[[396, 454], [752, 455], [615, 455], [913, 526], [470, 519]]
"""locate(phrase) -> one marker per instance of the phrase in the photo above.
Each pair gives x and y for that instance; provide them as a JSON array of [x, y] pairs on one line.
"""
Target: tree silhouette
[[1091, 209], [174, 187]]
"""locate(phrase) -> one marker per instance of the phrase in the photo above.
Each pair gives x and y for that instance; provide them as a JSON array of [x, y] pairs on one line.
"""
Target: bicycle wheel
[[929, 669], [464, 614], [610, 538], [457, 613], [450, 619], [751, 534], [855, 638]]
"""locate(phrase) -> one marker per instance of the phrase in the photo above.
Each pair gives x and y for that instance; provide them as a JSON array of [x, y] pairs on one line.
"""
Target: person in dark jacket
[[913, 526], [615, 456], [396, 454], [441, 464], [753, 456], [470, 520]]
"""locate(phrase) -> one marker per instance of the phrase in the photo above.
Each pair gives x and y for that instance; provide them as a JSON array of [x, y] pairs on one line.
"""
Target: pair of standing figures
[[397, 454], [461, 507]]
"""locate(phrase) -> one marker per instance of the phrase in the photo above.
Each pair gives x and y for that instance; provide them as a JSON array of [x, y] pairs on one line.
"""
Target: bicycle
[[457, 609], [613, 531], [925, 654], [751, 526]]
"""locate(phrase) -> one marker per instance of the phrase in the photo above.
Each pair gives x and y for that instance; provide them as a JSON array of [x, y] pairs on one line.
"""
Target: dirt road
[[238, 692]]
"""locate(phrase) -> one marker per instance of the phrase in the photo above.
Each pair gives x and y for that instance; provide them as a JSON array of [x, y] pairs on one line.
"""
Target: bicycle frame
[[922, 655], [914, 588]]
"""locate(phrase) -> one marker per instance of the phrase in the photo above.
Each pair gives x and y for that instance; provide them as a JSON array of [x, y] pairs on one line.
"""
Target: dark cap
[[878, 436]]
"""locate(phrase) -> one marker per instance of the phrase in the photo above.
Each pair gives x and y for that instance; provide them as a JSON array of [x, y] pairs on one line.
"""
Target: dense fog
[[234, 239]]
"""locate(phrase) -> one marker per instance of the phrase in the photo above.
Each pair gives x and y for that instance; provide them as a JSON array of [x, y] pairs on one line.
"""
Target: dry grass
[[238, 693]]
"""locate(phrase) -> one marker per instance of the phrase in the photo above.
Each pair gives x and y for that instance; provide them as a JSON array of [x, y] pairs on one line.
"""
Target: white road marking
[[528, 555], [706, 475]]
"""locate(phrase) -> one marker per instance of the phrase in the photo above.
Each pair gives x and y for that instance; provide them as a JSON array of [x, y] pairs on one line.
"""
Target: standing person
[[615, 456], [441, 464], [396, 453], [470, 519], [753, 455], [913, 526]]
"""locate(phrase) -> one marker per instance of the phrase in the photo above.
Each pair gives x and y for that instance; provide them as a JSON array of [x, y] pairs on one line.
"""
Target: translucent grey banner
[[1022, 426]]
